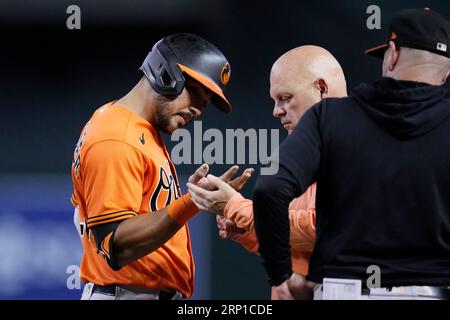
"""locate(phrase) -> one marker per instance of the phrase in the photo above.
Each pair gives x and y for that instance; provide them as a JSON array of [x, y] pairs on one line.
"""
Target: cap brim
[[378, 51], [219, 99]]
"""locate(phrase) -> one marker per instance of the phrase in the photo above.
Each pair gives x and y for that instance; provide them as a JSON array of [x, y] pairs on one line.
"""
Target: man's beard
[[162, 114]]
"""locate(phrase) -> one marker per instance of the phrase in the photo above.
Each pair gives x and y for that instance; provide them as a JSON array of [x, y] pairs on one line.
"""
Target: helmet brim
[[219, 99]]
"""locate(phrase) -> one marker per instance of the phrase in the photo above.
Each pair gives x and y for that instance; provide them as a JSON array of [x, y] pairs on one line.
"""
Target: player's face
[[188, 106], [292, 98]]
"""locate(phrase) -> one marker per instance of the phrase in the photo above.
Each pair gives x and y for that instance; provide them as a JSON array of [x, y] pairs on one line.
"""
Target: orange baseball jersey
[[121, 169], [302, 218]]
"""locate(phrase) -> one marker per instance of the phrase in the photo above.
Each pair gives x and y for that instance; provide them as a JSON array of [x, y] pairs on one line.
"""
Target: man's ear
[[395, 55], [322, 86]]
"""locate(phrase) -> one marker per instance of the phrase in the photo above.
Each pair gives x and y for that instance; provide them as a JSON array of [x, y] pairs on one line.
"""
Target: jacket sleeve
[[298, 163]]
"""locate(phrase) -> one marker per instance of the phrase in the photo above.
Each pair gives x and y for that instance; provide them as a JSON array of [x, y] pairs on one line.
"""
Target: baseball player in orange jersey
[[129, 209], [298, 79]]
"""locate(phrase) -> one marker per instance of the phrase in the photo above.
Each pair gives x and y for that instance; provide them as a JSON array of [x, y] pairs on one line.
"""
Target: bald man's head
[[302, 77]]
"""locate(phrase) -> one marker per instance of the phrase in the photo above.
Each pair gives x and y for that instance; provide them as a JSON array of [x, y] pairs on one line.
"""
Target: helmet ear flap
[[162, 71]]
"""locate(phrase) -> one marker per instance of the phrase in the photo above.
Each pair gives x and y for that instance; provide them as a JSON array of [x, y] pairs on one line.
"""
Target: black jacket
[[381, 159]]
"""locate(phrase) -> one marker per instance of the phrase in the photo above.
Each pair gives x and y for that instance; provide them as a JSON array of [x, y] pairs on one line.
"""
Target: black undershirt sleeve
[[299, 160], [100, 233]]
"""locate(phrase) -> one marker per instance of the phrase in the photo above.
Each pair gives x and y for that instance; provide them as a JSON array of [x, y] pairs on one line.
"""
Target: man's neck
[[137, 101], [418, 74]]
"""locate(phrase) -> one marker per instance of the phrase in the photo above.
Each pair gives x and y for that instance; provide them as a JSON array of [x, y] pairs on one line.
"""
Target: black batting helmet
[[187, 53]]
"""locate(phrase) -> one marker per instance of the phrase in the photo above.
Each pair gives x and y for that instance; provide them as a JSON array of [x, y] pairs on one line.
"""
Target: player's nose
[[196, 111], [278, 111]]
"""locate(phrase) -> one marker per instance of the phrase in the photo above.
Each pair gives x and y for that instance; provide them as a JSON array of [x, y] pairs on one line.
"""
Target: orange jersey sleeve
[[112, 177]]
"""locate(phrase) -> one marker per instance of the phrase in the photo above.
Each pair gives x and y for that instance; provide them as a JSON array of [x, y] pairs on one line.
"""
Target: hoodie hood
[[405, 109]]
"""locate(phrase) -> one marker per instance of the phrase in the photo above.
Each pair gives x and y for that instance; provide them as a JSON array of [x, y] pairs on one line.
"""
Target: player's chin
[[173, 125]]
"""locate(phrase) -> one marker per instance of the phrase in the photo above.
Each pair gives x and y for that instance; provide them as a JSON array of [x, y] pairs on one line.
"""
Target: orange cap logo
[[225, 74]]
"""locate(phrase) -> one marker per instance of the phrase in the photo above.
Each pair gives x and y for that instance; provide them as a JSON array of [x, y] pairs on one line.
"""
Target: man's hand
[[199, 175], [282, 291], [228, 229], [212, 201], [295, 288], [240, 181], [212, 193], [237, 183]]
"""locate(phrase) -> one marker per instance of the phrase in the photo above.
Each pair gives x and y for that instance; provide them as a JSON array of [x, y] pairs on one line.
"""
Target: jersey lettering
[[164, 190]]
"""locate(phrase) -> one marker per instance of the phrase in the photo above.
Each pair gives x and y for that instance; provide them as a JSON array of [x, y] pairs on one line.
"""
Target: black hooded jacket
[[381, 159]]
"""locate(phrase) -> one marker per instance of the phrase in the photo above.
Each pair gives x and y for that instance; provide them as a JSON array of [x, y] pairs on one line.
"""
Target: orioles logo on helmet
[[225, 74]]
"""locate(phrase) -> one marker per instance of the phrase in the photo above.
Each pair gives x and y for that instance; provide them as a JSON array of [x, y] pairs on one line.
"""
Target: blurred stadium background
[[52, 79]]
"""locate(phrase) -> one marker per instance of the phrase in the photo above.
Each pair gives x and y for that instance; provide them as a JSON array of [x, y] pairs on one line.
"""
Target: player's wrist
[[182, 209]]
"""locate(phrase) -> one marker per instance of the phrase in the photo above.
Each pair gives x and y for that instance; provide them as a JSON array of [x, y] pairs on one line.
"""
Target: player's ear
[[394, 55], [322, 87]]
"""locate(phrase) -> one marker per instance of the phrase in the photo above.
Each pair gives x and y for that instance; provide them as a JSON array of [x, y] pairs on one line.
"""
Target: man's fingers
[[197, 194], [250, 170], [205, 184], [217, 182], [229, 173], [230, 224], [222, 226], [201, 172], [221, 221], [240, 181], [244, 176], [200, 192], [299, 287], [296, 280], [283, 292], [198, 201]]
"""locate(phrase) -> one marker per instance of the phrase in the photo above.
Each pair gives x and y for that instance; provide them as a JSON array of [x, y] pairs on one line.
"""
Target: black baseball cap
[[421, 29]]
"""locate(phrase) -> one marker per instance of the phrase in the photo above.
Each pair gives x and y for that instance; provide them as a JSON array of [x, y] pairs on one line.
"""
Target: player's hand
[[212, 201], [237, 183], [282, 291], [295, 288], [240, 181], [228, 229], [300, 288], [199, 174], [226, 176]]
